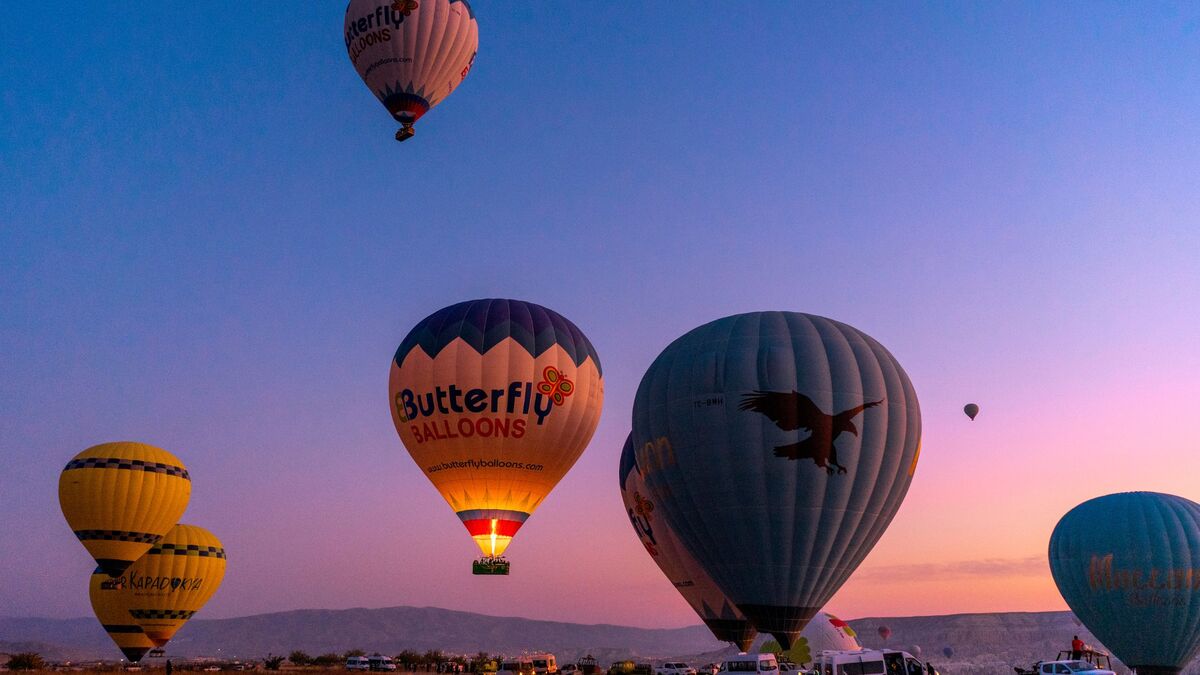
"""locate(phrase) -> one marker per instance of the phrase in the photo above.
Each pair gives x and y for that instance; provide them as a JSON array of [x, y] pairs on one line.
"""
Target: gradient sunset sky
[[210, 242]]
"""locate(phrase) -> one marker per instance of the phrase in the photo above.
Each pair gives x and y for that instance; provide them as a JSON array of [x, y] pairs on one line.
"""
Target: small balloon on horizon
[[971, 409]]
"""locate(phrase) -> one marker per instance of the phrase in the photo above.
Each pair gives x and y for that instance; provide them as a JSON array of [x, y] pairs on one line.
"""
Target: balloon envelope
[[111, 604], [411, 54], [495, 400], [825, 632], [885, 632], [971, 410], [779, 446], [1128, 565], [947, 652], [173, 581], [681, 569], [120, 498]]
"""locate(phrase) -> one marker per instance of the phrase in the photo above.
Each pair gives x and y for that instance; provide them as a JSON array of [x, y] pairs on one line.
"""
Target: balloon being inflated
[[495, 400], [778, 446]]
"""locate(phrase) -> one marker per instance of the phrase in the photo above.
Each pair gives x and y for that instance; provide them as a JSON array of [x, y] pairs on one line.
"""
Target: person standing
[[170, 668], [1076, 648]]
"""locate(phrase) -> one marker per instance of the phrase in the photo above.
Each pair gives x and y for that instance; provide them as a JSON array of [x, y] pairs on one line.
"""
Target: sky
[[210, 242]]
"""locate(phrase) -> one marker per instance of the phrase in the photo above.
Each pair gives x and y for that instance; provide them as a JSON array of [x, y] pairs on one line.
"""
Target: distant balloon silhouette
[[1128, 564], [971, 410], [915, 650], [947, 652], [778, 446], [885, 633]]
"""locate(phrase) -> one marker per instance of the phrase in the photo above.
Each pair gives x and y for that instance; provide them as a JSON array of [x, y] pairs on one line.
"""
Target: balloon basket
[[405, 132], [490, 566]]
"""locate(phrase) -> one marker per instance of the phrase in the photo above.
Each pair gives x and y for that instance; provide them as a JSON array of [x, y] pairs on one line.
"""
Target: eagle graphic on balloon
[[792, 410]]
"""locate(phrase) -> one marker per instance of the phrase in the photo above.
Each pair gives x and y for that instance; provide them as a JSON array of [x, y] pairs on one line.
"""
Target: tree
[[408, 659], [26, 661], [432, 658], [300, 658], [327, 660], [272, 662], [355, 652]]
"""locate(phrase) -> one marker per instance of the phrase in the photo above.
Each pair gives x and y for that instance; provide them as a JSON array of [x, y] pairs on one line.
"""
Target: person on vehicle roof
[[1077, 648]]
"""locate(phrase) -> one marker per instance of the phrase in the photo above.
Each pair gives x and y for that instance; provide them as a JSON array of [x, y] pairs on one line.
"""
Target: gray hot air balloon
[[971, 410], [779, 447]]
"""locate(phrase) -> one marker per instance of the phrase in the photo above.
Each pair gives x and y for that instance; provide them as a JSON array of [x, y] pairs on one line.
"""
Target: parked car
[[674, 668], [709, 669], [521, 666], [358, 663]]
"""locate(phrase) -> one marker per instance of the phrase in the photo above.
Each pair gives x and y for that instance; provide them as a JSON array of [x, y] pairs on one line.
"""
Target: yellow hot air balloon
[[110, 602], [173, 580], [120, 498], [495, 400]]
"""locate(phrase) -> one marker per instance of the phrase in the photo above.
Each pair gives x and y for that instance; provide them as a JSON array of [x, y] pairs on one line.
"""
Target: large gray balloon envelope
[[779, 446], [1129, 566]]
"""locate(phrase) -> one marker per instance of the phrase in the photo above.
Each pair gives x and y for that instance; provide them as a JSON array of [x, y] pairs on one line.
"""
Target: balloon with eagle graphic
[[495, 400], [411, 53], [1128, 566], [121, 498], [681, 569], [825, 632], [778, 447]]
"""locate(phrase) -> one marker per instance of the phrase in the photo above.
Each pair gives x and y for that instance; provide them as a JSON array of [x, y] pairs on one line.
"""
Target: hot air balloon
[[971, 410], [825, 632], [120, 498], [681, 569], [947, 651], [1128, 564], [411, 54], [173, 581], [885, 633], [915, 650], [110, 601], [778, 446], [495, 400]]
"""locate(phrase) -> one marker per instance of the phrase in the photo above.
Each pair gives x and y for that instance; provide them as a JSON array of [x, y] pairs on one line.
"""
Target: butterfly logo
[[405, 7], [555, 385]]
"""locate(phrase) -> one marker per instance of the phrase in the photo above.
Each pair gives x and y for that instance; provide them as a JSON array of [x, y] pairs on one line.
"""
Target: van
[[867, 662], [380, 663], [543, 664], [518, 666], [357, 663], [751, 663]]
